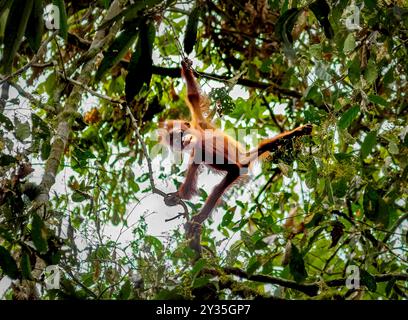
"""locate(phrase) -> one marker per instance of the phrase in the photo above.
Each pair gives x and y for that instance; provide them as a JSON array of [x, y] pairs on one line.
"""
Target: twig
[[175, 217], [61, 58], [335, 253], [111, 286], [43, 65], [24, 93], [270, 180], [281, 129], [31, 62], [80, 283], [149, 165], [96, 94]]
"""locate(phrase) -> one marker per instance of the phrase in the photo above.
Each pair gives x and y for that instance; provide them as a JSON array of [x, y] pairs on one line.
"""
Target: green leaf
[[190, 35], [390, 285], [63, 19], [125, 290], [321, 10], [40, 128], [25, 265], [311, 175], [375, 208], [198, 266], [140, 66], [6, 160], [233, 253], [378, 100], [349, 43], [354, 70], [16, 25], [118, 49], [78, 196], [6, 234], [329, 190], [312, 239], [105, 3], [45, 149], [201, 281], [368, 280], [313, 93], [348, 117], [4, 5], [297, 265], [253, 265], [336, 233], [368, 144], [260, 244], [35, 27], [240, 204], [166, 294], [389, 77], [22, 131], [7, 263], [340, 187], [39, 234], [371, 73], [247, 239], [6, 122], [156, 243], [228, 216], [285, 24], [83, 155], [343, 156], [393, 148]]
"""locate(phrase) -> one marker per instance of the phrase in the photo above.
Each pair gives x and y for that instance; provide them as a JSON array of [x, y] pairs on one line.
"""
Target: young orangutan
[[210, 146]]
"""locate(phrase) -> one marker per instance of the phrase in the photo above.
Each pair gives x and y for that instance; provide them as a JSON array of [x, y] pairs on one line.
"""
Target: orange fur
[[235, 161]]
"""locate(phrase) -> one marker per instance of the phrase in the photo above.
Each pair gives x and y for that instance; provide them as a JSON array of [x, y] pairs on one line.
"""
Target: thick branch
[[311, 289], [244, 291], [378, 278]]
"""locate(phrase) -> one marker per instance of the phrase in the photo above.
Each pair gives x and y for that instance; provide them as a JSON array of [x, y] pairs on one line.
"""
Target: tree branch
[[311, 289], [32, 61], [96, 94], [269, 86]]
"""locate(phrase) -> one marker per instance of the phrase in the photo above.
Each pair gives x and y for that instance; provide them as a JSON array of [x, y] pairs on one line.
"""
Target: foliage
[[71, 165]]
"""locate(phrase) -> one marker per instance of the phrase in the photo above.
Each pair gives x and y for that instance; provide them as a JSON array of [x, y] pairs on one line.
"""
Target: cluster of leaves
[[321, 204]]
